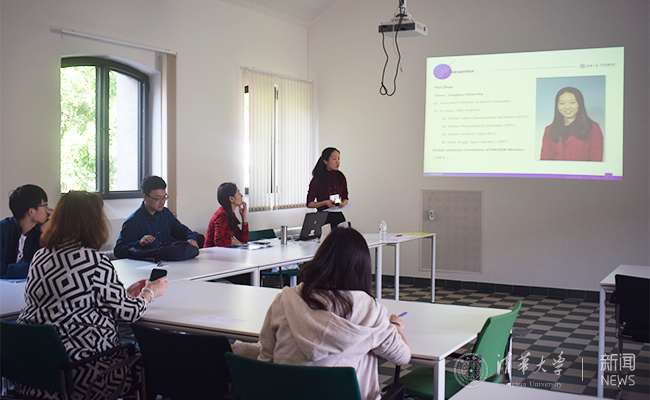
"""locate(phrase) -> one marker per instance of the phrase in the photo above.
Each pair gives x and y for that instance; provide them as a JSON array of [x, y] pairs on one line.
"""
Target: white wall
[[213, 41], [557, 233], [542, 232]]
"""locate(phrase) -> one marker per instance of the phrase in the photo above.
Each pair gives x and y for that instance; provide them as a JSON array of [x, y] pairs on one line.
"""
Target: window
[[104, 127], [278, 129]]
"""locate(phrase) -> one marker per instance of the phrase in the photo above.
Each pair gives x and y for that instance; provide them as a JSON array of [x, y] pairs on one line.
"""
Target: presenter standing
[[328, 187], [572, 136]]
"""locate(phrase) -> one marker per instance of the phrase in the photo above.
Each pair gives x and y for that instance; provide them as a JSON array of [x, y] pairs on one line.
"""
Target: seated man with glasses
[[20, 235], [152, 224]]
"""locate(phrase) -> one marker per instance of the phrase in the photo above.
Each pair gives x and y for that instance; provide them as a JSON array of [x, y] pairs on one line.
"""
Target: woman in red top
[[223, 229], [572, 136]]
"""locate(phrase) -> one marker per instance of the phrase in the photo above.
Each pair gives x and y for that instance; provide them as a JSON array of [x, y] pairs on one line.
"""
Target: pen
[[403, 314]]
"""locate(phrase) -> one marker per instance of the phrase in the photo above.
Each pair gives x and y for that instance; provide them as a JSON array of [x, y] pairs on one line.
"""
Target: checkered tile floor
[[545, 331]]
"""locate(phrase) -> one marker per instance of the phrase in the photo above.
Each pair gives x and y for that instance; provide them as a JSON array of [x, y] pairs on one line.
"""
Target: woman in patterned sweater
[[75, 288]]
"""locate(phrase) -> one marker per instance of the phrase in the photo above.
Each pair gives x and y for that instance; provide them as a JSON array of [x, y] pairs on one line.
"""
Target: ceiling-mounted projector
[[403, 24], [407, 28]]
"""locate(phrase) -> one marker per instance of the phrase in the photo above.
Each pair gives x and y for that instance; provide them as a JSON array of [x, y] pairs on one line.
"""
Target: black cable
[[382, 89]]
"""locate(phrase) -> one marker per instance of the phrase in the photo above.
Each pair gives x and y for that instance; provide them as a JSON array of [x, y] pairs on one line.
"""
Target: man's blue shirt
[[162, 225]]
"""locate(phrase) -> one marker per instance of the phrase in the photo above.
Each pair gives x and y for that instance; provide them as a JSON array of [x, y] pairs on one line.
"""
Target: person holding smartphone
[[223, 229], [75, 288], [328, 187]]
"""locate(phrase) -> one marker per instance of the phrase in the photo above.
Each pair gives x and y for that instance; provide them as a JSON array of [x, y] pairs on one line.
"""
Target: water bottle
[[383, 231]]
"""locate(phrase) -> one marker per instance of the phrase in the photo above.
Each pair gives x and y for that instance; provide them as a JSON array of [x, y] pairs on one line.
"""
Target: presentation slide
[[546, 114]]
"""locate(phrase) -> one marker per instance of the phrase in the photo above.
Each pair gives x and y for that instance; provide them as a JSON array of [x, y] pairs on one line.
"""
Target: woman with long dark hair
[[223, 229], [332, 319], [74, 287], [328, 186], [572, 136]]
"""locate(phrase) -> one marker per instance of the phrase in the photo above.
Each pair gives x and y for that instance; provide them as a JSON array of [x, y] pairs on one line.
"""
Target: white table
[[434, 330], [223, 262], [12, 298], [395, 240], [608, 285], [494, 391]]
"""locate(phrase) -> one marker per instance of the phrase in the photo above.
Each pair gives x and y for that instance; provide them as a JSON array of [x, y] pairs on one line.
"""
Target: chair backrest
[[181, 365], [255, 380], [261, 234], [633, 299], [31, 355], [492, 341]]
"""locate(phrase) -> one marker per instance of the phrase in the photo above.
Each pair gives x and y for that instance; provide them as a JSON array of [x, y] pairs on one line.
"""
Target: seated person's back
[[152, 224], [20, 235], [342, 325]]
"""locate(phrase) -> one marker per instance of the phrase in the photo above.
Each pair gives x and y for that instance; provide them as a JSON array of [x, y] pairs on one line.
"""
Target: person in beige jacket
[[332, 319]]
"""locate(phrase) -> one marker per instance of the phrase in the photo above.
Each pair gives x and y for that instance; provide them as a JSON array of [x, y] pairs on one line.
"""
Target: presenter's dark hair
[[320, 169], [582, 122], [25, 197], [342, 263], [77, 218], [152, 182], [225, 191]]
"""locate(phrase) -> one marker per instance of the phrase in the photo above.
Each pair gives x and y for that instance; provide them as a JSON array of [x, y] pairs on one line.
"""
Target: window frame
[[103, 67]]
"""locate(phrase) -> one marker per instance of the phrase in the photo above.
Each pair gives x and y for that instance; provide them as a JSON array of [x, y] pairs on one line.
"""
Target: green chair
[[492, 346], [259, 380], [34, 356], [291, 273], [183, 366]]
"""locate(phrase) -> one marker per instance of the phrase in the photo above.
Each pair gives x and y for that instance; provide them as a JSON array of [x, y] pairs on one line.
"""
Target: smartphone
[[157, 273]]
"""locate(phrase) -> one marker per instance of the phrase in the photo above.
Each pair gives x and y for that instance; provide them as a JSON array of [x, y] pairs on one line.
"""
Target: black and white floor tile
[[555, 344]]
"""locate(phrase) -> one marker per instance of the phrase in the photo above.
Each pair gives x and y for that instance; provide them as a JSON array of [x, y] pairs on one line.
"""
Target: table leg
[[255, 278], [439, 380], [378, 270], [601, 342], [433, 268], [397, 271]]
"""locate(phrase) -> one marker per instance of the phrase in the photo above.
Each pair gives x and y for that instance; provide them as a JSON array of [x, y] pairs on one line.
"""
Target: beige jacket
[[295, 334]]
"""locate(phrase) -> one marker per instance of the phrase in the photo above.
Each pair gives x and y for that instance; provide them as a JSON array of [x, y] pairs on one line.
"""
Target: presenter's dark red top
[[320, 192]]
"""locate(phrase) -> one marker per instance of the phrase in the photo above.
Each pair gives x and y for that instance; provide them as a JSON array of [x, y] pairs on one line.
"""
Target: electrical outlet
[[431, 215]]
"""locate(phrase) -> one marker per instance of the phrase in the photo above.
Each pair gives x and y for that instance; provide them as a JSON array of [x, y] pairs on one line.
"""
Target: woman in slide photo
[[223, 229], [332, 319], [572, 136], [75, 288], [328, 186]]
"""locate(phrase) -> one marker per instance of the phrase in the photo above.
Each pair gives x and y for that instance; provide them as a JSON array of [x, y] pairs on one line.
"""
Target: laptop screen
[[311, 226]]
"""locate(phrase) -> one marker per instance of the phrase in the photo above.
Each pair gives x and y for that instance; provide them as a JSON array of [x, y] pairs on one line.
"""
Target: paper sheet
[[340, 209]]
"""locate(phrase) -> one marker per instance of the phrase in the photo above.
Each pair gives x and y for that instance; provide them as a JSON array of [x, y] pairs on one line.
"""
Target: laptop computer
[[311, 226]]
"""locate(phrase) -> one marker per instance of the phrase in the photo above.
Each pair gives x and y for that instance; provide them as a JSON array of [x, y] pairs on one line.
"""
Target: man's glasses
[[158, 199], [42, 205]]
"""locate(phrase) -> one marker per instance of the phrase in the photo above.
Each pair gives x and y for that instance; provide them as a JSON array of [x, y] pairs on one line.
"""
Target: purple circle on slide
[[442, 71]]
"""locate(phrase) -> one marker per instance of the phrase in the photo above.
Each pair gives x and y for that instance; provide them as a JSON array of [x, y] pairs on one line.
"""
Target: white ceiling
[[301, 11]]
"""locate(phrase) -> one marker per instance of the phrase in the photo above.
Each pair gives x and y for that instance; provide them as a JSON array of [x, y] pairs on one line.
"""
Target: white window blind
[[280, 140]]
